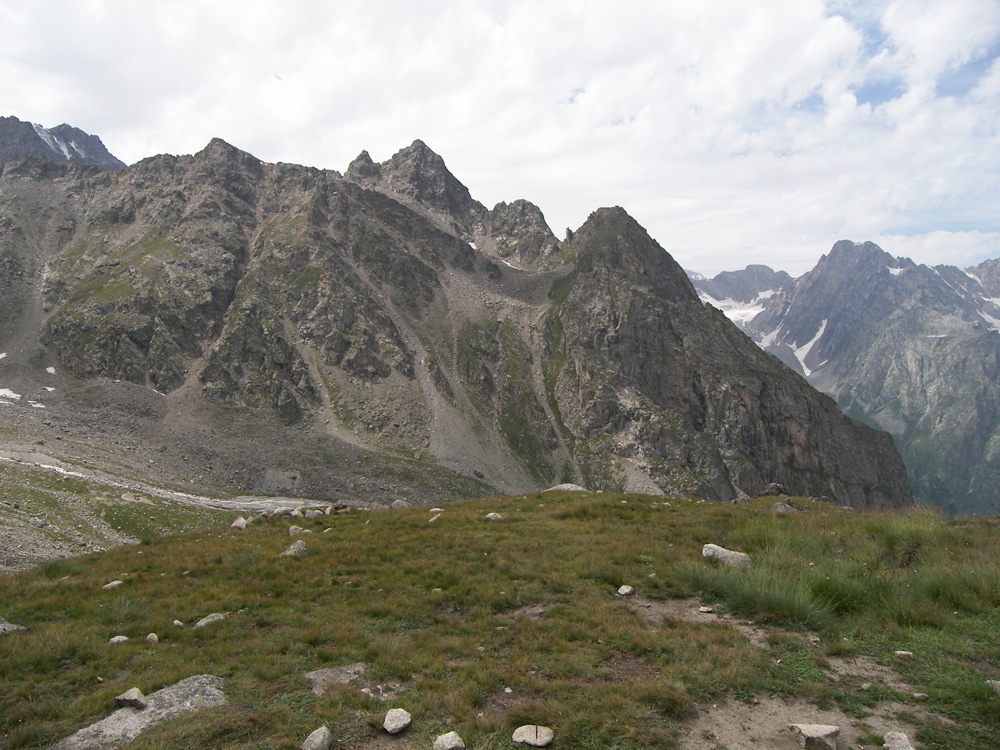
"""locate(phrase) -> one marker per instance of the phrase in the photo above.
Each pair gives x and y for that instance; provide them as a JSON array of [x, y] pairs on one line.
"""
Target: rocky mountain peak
[[519, 233], [612, 239], [364, 171], [419, 175], [63, 143]]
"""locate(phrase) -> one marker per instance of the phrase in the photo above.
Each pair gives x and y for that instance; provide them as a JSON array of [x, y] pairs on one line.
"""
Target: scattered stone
[[321, 679], [921, 697], [816, 736], [112, 585], [8, 627], [727, 556], [995, 684], [533, 735], [625, 591], [296, 550], [437, 510], [493, 517], [396, 720], [239, 524], [313, 513], [568, 487], [434, 518], [118, 639], [397, 504], [774, 489], [125, 724], [178, 624], [705, 610], [904, 655], [896, 741], [293, 530], [782, 507], [132, 697], [321, 739], [214, 617], [152, 639], [450, 741], [296, 513]]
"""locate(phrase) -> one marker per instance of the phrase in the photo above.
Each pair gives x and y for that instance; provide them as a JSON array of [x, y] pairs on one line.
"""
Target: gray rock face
[[386, 311], [125, 724], [905, 348]]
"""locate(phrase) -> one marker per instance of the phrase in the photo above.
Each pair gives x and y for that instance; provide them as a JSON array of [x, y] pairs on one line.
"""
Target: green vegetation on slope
[[459, 610]]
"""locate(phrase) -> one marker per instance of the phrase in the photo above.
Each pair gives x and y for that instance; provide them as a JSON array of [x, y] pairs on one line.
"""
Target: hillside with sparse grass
[[479, 626]]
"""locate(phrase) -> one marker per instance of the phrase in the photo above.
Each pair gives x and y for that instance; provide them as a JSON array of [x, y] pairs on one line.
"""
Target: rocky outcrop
[[645, 377]]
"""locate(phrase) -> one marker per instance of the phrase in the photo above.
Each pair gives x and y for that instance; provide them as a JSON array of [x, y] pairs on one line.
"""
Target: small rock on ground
[[296, 550], [533, 735], [321, 679], [125, 724], [493, 517], [214, 617], [8, 627], [239, 524], [727, 556], [132, 697], [897, 741], [112, 585], [396, 720], [152, 639], [118, 639], [816, 736], [626, 591], [450, 741], [904, 655], [320, 739]]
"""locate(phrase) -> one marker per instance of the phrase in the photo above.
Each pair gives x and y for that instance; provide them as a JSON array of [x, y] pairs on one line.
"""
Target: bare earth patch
[[736, 725], [739, 725]]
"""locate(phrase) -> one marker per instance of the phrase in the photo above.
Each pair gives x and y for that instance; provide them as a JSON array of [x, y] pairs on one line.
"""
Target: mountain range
[[219, 322], [63, 143], [904, 347]]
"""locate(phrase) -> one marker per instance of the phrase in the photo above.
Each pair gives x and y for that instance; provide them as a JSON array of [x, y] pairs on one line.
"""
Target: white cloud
[[734, 131]]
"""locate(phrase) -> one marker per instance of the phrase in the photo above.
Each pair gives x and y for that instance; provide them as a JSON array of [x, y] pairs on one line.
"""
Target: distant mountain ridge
[[286, 329], [63, 143], [908, 348]]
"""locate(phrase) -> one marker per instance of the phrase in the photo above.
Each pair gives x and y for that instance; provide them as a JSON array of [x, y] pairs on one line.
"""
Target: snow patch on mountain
[[803, 351], [739, 312]]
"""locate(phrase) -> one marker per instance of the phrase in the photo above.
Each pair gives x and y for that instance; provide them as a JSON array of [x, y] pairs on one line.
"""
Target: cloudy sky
[[735, 131]]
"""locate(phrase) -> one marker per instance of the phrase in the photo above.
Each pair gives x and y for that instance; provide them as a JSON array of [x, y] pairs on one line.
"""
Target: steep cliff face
[[906, 348], [387, 318], [653, 380]]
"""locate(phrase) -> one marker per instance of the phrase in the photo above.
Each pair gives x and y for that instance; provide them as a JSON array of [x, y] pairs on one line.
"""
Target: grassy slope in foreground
[[435, 607]]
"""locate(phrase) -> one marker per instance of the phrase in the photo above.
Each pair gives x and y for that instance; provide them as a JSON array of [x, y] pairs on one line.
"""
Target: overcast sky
[[735, 131]]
